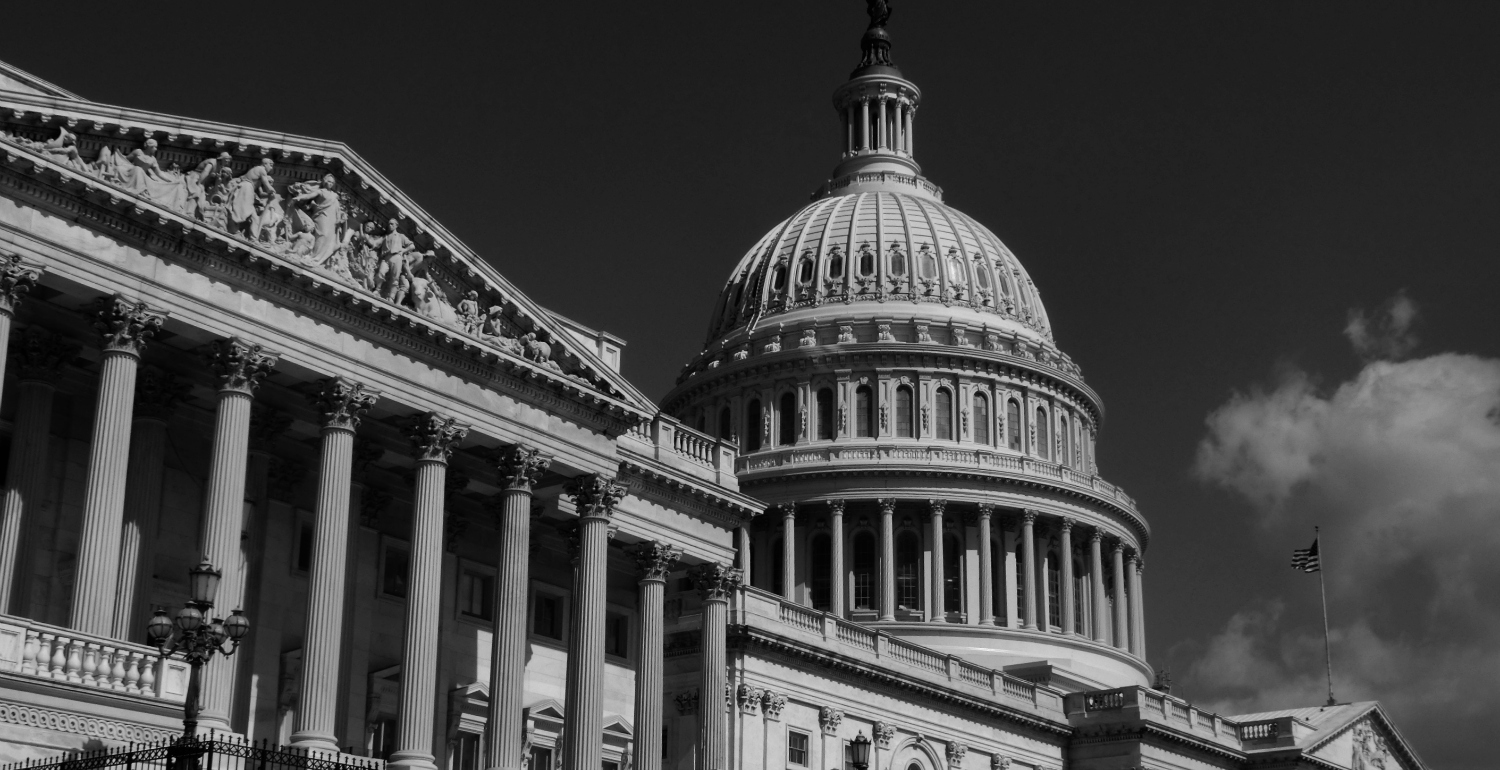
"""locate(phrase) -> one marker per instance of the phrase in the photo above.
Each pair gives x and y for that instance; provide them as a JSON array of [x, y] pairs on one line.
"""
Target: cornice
[[174, 238], [649, 482]]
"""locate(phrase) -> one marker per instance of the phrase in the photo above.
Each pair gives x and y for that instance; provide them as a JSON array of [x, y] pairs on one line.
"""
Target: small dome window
[[805, 268], [956, 268], [866, 260], [927, 263], [982, 273], [897, 260], [836, 262], [778, 277]]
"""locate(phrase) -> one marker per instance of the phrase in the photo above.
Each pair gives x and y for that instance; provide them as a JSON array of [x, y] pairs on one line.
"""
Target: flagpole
[[1327, 647]]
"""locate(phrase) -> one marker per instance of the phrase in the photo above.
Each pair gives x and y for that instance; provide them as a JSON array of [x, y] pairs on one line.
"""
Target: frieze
[[80, 724]]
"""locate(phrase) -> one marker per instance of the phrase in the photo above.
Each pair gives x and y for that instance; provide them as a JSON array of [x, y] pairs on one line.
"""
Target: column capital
[[887, 505], [655, 560], [836, 507], [40, 354], [1068, 522], [1097, 536], [936, 506], [1119, 547], [594, 495], [520, 466], [342, 402], [788, 510], [157, 393], [16, 281], [239, 365], [1028, 516], [433, 436], [715, 581], [124, 324], [1140, 563], [986, 510]]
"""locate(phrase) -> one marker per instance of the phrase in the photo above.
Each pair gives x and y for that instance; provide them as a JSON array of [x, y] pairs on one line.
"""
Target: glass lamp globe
[[237, 625], [203, 582], [159, 627], [217, 629], [189, 618]]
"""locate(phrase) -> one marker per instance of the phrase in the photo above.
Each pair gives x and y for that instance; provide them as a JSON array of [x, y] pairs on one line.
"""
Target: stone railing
[[1132, 703], [770, 613], [37, 650], [669, 441], [937, 457]]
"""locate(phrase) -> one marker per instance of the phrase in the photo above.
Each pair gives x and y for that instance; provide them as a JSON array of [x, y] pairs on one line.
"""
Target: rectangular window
[[796, 748], [476, 592], [617, 634], [608, 765], [1054, 595], [304, 546], [383, 738], [394, 566], [546, 617], [466, 752], [541, 758]]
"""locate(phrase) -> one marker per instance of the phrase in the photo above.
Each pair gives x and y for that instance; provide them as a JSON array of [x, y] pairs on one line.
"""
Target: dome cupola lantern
[[878, 107]]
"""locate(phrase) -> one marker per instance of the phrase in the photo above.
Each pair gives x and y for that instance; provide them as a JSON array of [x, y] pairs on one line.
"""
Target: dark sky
[[1201, 190]]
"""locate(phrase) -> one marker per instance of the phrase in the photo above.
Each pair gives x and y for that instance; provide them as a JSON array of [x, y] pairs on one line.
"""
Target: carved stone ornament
[[884, 733], [999, 762], [809, 338], [1097, 536], [1370, 750], [749, 698], [16, 281], [887, 505], [39, 354], [1068, 523], [594, 495], [936, 507], [956, 752], [656, 560], [715, 582], [772, 703], [788, 510], [125, 325], [157, 393], [687, 702], [521, 466], [434, 436], [986, 510], [846, 333], [1029, 515], [829, 718], [884, 333], [239, 365], [836, 507], [342, 402]]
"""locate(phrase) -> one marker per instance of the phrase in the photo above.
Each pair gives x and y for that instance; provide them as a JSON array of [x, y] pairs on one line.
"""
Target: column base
[[410, 760], [315, 741]]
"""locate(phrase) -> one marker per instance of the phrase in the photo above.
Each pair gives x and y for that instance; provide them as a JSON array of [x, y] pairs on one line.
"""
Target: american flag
[[1306, 559]]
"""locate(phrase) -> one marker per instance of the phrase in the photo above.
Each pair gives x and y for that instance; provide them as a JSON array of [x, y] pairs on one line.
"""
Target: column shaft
[[27, 476], [148, 449], [883, 140], [715, 583], [743, 555], [887, 560], [1137, 605], [520, 468], [584, 691], [223, 523], [1028, 571], [938, 609], [322, 633], [1066, 578], [1096, 580], [655, 561], [1122, 613], [94, 588], [986, 568], [864, 124], [789, 551], [836, 540]]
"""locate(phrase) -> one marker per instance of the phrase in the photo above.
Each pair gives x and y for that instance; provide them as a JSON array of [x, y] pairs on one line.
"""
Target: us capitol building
[[867, 519]]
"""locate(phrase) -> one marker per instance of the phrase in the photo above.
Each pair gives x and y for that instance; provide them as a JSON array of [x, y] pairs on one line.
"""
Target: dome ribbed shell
[[879, 246]]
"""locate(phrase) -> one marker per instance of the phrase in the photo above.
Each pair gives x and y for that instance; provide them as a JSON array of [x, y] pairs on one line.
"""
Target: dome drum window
[[835, 262], [806, 267]]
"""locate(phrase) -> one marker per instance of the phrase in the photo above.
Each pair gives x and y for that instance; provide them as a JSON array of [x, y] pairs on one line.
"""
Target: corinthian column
[[125, 326], [1028, 569], [1096, 581], [1122, 613], [520, 468], [939, 609], [1137, 606], [788, 551], [40, 357], [887, 558], [16, 281], [836, 580], [595, 497], [655, 561], [986, 567], [1066, 578], [433, 437], [239, 367], [341, 403], [715, 583], [156, 394]]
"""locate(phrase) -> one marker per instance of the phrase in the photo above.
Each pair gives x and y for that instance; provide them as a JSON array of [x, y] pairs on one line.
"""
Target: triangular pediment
[[416, 275], [1367, 740]]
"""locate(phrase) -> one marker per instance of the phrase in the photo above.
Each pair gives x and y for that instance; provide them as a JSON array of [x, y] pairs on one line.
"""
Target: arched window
[[1042, 447], [825, 414], [908, 560], [866, 260], [778, 277], [1013, 424], [836, 262], [981, 419], [982, 273], [927, 265], [944, 410], [726, 424], [956, 268], [820, 558], [753, 426], [864, 571], [898, 261], [1065, 441], [903, 412], [864, 411], [1054, 590], [953, 574], [788, 414], [805, 267], [778, 566]]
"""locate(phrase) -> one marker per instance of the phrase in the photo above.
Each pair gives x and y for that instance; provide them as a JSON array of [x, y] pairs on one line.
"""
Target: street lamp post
[[197, 637]]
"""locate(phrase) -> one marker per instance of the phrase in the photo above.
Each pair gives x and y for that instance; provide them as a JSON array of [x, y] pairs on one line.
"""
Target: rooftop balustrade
[[42, 652], [666, 440], [1142, 703]]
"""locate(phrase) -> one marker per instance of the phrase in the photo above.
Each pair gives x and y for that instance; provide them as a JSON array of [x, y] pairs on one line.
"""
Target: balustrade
[[64, 655], [1259, 731]]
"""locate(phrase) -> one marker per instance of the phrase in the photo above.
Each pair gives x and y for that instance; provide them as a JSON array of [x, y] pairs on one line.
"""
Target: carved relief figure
[[427, 296], [252, 193], [393, 277], [468, 312], [321, 205], [140, 172]]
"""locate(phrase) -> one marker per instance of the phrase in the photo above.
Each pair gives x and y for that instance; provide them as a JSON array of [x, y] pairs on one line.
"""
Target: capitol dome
[[888, 372]]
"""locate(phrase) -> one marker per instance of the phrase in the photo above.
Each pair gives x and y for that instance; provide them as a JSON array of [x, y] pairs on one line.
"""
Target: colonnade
[[1114, 614], [879, 122], [119, 521]]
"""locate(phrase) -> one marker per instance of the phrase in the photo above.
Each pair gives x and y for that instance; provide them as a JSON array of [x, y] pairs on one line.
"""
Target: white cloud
[[1401, 467], [1386, 335]]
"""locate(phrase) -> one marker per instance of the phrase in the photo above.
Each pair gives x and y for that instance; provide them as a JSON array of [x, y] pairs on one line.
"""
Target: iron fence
[[204, 753]]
